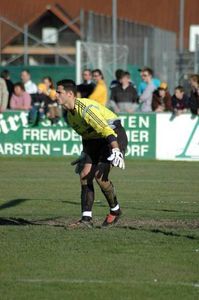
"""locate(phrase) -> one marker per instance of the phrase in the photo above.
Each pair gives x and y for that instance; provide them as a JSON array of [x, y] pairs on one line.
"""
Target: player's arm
[[95, 119]]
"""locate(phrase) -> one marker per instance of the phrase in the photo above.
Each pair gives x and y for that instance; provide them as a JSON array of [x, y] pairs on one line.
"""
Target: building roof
[[160, 13]]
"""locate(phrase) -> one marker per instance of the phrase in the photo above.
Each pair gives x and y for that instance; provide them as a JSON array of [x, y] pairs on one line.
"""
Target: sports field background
[[152, 254]]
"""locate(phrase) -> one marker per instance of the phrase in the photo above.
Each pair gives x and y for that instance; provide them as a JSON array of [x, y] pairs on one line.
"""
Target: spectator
[[142, 86], [20, 99], [48, 93], [3, 95], [194, 98], [115, 82], [87, 86], [124, 95], [180, 101], [5, 74], [146, 97], [100, 93], [30, 87], [161, 99]]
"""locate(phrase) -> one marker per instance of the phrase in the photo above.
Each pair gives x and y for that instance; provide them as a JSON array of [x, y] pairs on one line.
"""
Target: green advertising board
[[17, 138]]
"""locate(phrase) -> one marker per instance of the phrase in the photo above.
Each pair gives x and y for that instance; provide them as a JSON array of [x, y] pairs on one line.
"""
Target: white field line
[[98, 281]]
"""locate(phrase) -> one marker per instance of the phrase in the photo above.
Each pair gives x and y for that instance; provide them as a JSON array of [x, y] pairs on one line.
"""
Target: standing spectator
[[162, 99], [87, 86], [194, 98], [146, 97], [118, 75], [20, 99], [180, 101], [100, 93], [142, 86], [3, 95], [5, 74], [30, 87], [124, 95]]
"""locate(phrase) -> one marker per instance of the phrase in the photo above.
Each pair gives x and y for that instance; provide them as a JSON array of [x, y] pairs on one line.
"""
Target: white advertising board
[[177, 138]]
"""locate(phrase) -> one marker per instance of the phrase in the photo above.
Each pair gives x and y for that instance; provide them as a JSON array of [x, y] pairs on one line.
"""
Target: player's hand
[[79, 162], [117, 159]]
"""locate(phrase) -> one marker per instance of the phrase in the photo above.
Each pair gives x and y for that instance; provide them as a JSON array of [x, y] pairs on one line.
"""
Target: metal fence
[[148, 46]]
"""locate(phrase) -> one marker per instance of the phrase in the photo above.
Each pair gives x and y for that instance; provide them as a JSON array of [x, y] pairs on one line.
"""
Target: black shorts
[[98, 150]]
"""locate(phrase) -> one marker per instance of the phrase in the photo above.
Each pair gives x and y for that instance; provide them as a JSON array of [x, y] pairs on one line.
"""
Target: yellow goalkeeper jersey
[[92, 120]]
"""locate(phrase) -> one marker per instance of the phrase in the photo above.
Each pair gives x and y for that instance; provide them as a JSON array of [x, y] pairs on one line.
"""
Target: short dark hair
[[146, 69], [68, 85], [20, 84], [180, 88], [5, 74], [26, 70], [126, 73], [99, 72], [87, 70], [195, 77], [118, 74]]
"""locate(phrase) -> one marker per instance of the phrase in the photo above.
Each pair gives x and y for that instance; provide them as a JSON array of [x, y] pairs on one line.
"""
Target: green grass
[[152, 254]]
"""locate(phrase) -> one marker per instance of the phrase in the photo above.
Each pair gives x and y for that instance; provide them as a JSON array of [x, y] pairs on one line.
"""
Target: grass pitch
[[152, 254]]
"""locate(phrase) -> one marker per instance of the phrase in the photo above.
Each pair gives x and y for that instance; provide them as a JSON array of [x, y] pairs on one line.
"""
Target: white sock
[[87, 214], [115, 208]]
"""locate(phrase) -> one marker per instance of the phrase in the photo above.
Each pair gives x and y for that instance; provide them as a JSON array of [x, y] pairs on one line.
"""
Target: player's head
[[66, 92]]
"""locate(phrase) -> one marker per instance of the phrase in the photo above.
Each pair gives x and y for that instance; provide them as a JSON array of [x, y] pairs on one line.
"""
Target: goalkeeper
[[104, 144]]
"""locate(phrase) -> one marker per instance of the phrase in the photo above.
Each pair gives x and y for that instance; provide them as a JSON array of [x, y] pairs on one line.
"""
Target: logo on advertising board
[[177, 139], [193, 138], [18, 138]]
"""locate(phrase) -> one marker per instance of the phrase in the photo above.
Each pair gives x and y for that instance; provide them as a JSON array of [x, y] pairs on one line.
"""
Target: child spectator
[[194, 98], [161, 99], [48, 93], [180, 101], [20, 99], [100, 93]]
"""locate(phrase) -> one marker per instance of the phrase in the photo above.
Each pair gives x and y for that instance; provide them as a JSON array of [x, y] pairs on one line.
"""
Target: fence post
[[196, 55], [25, 44]]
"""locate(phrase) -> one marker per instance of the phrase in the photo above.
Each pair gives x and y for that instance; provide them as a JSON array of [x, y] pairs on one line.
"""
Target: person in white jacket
[[30, 87], [3, 95]]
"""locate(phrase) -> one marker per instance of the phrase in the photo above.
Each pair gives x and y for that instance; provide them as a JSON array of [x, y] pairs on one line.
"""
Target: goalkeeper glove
[[116, 158], [79, 162]]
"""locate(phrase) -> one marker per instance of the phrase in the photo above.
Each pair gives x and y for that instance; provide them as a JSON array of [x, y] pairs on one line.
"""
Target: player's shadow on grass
[[11, 203], [71, 202]]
